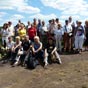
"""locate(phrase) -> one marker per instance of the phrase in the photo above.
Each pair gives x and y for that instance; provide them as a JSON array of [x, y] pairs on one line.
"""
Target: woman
[[37, 50], [79, 37], [32, 32], [21, 30], [5, 34], [15, 50]]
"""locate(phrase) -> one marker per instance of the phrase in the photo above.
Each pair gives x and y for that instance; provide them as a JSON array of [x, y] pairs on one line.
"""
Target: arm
[[54, 50], [39, 48]]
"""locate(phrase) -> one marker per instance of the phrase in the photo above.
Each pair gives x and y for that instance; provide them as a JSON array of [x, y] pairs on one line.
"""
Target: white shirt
[[10, 45], [58, 32], [11, 30], [4, 33], [67, 28], [43, 30]]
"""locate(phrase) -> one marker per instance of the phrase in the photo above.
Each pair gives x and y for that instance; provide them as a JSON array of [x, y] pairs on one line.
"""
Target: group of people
[[38, 43]]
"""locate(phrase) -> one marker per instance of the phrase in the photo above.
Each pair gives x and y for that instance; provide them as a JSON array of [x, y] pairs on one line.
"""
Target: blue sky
[[13, 10]]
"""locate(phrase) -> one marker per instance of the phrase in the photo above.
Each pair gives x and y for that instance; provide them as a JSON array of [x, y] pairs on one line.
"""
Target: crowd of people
[[41, 43]]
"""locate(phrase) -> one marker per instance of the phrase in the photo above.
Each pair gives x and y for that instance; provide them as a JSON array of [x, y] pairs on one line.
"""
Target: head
[[34, 20], [59, 26], [53, 21], [66, 22], [43, 23], [36, 39], [86, 23], [32, 26], [50, 21], [9, 23], [70, 19], [28, 22], [39, 21], [5, 26], [50, 41], [10, 39], [17, 39], [21, 26], [26, 38], [57, 20], [79, 23]]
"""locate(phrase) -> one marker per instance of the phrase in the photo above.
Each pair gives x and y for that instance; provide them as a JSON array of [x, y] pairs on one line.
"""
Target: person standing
[[86, 35], [79, 37], [4, 34], [58, 36], [32, 32], [67, 36]]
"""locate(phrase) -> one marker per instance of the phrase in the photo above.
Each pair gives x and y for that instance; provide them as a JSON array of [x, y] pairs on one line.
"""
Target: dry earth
[[73, 73]]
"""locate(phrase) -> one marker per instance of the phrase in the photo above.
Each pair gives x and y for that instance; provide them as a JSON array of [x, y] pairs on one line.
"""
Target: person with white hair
[[37, 50], [15, 50]]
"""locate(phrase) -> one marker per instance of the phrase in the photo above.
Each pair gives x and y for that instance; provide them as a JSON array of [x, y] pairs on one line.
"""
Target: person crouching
[[51, 51]]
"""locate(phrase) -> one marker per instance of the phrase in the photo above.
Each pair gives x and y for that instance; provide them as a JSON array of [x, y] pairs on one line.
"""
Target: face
[[26, 38], [10, 39], [36, 40], [50, 41], [79, 24], [59, 26]]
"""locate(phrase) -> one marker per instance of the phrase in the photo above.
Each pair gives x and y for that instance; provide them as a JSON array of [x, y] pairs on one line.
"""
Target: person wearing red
[[32, 32]]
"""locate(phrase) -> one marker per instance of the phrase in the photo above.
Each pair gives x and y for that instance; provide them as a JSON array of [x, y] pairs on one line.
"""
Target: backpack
[[31, 62]]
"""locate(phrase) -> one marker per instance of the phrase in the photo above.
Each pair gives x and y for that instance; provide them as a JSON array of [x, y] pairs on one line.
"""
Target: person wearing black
[[50, 51], [26, 44]]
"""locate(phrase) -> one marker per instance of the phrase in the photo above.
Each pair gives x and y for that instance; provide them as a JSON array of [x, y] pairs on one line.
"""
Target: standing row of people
[[51, 38]]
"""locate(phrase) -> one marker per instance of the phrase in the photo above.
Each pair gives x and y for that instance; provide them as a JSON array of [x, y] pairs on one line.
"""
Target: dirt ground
[[73, 73]]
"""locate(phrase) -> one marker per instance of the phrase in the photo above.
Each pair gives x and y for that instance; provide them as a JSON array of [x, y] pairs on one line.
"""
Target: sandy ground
[[73, 73]]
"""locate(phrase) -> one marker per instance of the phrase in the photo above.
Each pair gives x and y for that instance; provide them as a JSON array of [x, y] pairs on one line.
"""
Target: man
[[26, 44], [67, 36], [50, 52]]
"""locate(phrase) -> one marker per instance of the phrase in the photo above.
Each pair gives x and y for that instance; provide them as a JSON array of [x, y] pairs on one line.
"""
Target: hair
[[36, 37], [18, 37]]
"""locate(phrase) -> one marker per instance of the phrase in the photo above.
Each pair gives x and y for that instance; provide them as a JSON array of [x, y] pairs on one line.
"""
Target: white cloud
[[19, 5], [74, 8], [44, 17], [14, 18], [17, 16], [28, 9]]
